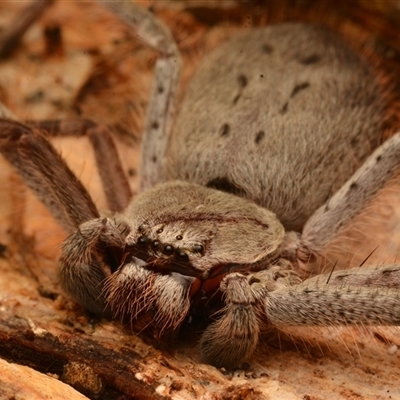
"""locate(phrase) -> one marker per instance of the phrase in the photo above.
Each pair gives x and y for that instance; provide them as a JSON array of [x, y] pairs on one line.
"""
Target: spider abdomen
[[282, 115]]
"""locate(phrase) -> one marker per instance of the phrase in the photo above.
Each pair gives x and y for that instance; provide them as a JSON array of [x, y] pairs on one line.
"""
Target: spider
[[241, 192]]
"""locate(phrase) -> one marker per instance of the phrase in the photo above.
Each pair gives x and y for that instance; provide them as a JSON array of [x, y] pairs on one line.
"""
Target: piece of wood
[[18, 381]]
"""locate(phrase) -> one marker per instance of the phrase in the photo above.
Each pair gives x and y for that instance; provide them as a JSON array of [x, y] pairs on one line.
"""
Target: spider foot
[[81, 265], [234, 337]]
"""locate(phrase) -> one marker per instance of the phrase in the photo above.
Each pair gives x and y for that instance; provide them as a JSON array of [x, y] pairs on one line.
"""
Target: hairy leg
[[114, 180], [234, 336], [82, 265], [360, 296], [166, 78], [381, 276], [46, 174], [325, 224], [88, 256]]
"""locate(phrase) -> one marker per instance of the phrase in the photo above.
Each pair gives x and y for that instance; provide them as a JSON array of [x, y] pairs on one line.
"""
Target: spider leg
[[114, 180], [234, 336], [166, 77], [81, 271], [383, 276], [324, 225], [46, 174], [339, 299], [363, 296]]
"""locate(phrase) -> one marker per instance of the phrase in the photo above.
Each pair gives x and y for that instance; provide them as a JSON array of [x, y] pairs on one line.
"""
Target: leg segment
[[81, 271], [46, 174], [384, 276], [81, 266], [167, 74], [325, 224], [364, 296], [115, 183], [234, 336]]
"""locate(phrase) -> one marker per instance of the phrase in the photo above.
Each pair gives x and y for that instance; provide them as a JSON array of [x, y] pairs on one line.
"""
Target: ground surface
[[99, 72]]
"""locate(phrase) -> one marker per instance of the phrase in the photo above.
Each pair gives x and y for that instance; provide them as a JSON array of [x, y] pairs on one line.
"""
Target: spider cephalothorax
[[199, 230]]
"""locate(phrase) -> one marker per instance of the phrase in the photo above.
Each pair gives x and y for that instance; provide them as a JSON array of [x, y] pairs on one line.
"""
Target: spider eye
[[181, 255], [155, 244], [179, 237], [198, 248], [168, 250], [142, 241], [161, 230]]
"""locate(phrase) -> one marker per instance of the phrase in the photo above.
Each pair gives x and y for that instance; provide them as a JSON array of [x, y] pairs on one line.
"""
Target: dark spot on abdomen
[[311, 59], [260, 135], [242, 79], [224, 130], [298, 88], [284, 108], [267, 48], [353, 186]]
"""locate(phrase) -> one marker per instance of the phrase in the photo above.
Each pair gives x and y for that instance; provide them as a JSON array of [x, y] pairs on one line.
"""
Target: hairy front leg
[[233, 337], [82, 268], [44, 171]]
